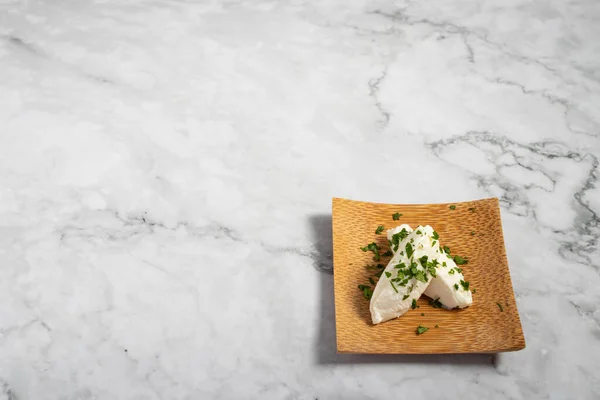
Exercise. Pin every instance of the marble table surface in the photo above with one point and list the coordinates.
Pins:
(167, 169)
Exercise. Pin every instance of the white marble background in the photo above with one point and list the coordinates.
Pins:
(167, 168)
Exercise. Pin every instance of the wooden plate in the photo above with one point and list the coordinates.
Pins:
(472, 229)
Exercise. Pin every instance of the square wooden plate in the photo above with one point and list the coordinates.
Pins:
(472, 229)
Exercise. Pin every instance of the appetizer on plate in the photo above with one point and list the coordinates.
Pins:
(419, 266)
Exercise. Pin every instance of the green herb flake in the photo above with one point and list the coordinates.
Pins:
(387, 254)
(418, 232)
(464, 284)
(420, 276)
(435, 303)
(372, 281)
(451, 272)
(421, 330)
(398, 237)
(500, 307)
(409, 250)
(431, 269)
(374, 248)
(435, 235)
(459, 270)
(394, 286)
(388, 274)
(456, 286)
(396, 216)
(414, 304)
(444, 264)
(366, 290)
(379, 229)
(433, 243)
(472, 233)
(446, 249)
(460, 260)
(452, 207)
(406, 296)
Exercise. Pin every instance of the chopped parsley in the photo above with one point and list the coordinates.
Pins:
(420, 276)
(446, 250)
(379, 274)
(456, 286)
(421, 330)
(418, 232)
(452, 207)
(394, 286)
(435, 235)
(371, 281)
(374, 248)
(379, 229)
(435, 303)
(397, 237)
(367, 291)
(414, 305)
(451, 272)
(444, 264)
(409, 250)
(460, 261)
(388, 274)
(474, 290)
(459, 270)
(500, 307)
(405, 297)
(396, 216)
(387, 254)
(464, 284)
(431, 269)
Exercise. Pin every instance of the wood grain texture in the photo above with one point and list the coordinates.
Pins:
(481, 328)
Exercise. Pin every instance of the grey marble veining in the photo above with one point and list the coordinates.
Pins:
(167, 169)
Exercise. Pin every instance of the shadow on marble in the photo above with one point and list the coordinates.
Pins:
(325, 345)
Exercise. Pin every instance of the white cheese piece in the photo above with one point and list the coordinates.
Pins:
(443, 285)
(394, 295)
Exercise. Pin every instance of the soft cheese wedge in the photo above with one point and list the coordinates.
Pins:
(446, 286)
(408, 274)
